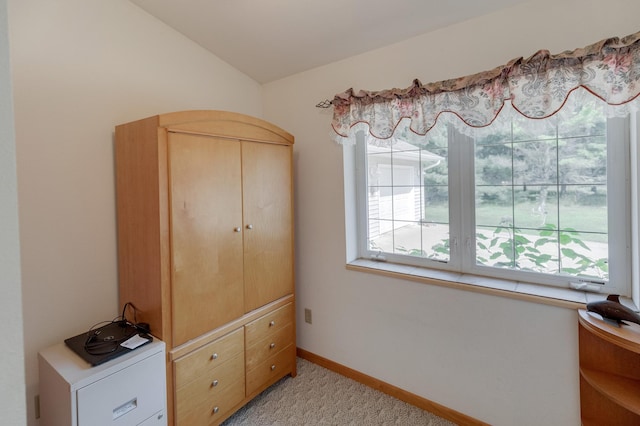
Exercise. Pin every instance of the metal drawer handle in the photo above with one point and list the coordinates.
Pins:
(214, 356)
(273, 367)
(215, 383)
(215, 410)
(237, 229)
(249, 226)
(272, 323)
(271, 346)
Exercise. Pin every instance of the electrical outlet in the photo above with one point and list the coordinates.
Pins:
(37, 405)
(307, 315)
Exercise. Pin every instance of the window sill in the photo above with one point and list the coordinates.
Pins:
(559, 297)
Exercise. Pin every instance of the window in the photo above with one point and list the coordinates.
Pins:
(543, 201)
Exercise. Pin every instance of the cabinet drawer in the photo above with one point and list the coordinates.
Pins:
(269, 324)
(270, 370)
(192, 412)
(213, 382)
(270, 345)
(128, 396)
(217, 387)
(193, 365)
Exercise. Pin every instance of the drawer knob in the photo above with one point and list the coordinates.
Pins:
(214, 356)
(273, 367)
(215, 410)
(271, 346)
(214, 383)
(249, 226)
(272, 323)
(237, 229)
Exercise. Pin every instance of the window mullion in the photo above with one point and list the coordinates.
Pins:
(362, 195)
(634, 201)
(462, 218)
(619, 208)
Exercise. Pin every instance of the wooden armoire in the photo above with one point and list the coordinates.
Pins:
(205, 253)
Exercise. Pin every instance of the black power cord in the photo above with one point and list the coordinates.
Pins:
(142, 327)
(97, 344)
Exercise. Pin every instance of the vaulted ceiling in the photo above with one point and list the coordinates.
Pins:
(273, 39)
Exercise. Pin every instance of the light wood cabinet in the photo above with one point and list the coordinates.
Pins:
(609, 372)
(210, 381)
(205, 248)
(205, 192)
(270, 348)
(268, 252)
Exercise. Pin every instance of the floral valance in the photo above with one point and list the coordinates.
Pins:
(536, 87)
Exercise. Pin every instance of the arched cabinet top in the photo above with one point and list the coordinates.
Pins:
(223, 124)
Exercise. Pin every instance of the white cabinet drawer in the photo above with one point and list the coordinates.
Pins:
(157, 419)
(127, 397)
(129, 390)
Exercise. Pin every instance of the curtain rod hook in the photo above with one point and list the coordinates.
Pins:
(324, 104)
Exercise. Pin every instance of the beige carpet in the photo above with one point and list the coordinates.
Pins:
(318, 396)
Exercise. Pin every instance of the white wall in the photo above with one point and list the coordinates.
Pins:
(502, 361)
(12, 400)
(80, 67)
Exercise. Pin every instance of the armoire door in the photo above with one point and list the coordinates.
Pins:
(206, 233)
(268, 233)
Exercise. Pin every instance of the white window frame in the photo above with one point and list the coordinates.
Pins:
(622, 279)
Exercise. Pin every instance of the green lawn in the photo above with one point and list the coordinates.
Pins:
(589, 220)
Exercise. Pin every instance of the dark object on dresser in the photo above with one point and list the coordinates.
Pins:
(613, 311)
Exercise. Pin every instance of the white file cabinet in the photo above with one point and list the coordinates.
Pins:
(129, 390)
